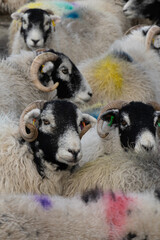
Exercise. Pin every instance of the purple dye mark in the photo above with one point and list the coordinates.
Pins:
(75, 4)
(44, 201)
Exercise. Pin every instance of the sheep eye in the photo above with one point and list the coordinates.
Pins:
(46, 122)
(124, 123)
(65, 71)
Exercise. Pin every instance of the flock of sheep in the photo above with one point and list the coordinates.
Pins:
(80, 121)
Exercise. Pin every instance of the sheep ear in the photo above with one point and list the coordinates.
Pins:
(87, 122)
(88, 119)
(32, 116)
(110, 117)
(16, 15)
(107, 121)
(55, 18)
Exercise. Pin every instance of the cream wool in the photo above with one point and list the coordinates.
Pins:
(18, 172)
(117, 171)
(96, 216)
(81, 34)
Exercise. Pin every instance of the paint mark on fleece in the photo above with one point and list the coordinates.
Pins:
(117, 206)
(108, 75)
(44, 201)
(73, 15)
(56, 6)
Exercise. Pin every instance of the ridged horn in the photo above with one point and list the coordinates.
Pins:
(109, 106)
(155, 105)
(37, 63)
(84, 130)
(29, 137)
(134, 28)
(154, 30)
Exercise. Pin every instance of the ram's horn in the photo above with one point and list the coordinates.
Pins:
(29, 137)
(154, 30)
(155, 105)
(111, 105)
(134, 28)
(84, 130)
(37, 63)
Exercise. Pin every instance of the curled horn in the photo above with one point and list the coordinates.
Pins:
(111, 105)
(134, 28)
(29, 137)
(84, 130)
(37, 63)
(155, 105)
(154, 30)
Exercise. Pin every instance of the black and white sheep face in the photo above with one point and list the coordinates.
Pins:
(72, 84)
(137, 124)
(58, 142)
(36, 27)
(142, 9)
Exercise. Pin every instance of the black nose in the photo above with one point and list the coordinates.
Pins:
(74, 153)
(90, 94)
(35, 41)
(147, 148)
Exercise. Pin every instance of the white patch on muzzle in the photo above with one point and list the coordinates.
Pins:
(35, 39)
(129, 11)
(145, 142)
(69, 148)
(85, 92)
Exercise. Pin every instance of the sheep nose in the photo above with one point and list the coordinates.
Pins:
(35, 41)
(147, 148)
(74, 153)
(90, 94)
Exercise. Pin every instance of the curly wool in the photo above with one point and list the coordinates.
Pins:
(17, 169)
(95, 216)
(118, 171)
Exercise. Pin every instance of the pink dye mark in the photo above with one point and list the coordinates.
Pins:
(116, 212)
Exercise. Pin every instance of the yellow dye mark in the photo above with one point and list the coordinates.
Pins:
(35, 5)
(42, 69)
(53, 23)
(108, 74)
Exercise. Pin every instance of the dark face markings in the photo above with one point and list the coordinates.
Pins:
(35, 18)
(141, 116)
(45, 146)
(66, 89)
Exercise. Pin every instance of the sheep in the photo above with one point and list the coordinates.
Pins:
(129, 62)
(112, 6)
(80, 34)
(20, 85)
(139, 132)
(143, 9)
(93, 216)
(46, 152)
(125, 155)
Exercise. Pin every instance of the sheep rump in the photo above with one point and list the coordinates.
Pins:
(95, 216)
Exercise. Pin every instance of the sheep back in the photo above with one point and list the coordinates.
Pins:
(117, 172)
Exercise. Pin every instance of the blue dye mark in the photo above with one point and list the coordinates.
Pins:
(66, 6)
(73, 15)
(94, 112)
(44, 201)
